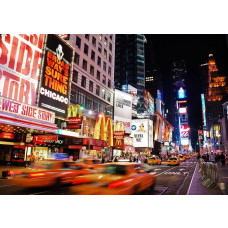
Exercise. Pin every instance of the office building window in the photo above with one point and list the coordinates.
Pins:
(76, 58)
(110, 58)
(104, 66)
(104, 80)
(86, 49)
(87, 36)
(111, 36)
(91, 70)
(83, 84)
(97, 90)
(75, 76)
(98, 75)
(99, 47)
(110, 46)
(103, 93)
(105, 53)
(100, 36)
(99, 61)
(84, 65)
(105, 41)
(94, 41)
(78, 42)
(109, 71)
(93, 55)
(109, 97)
(90, 86)
(109, 83)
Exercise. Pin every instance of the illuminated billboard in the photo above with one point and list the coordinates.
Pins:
(181, 93)
(20, 58)
(133, 91)
(123, 109)
(148, 102)
(142, 133)
(182, 110)
(184, 131)
(204, 111)
(56, 76)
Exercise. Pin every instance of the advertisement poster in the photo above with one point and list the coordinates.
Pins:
(56, 76)
(133, 91)
(20, 63)
(148, 102)
(123, 109)
(142, 133)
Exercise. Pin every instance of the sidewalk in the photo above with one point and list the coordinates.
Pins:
(223, 178)
(196, 187)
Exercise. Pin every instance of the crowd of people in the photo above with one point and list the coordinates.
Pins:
(214, 157)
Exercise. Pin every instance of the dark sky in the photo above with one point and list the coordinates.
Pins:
(194, 49)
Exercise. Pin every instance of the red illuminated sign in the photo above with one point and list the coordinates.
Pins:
(13, 107)
(20, 57)
(118, 134)
(41, 139)
(73, 126)
(184, 129)
(75, 120)
(6, 135)
(75, 146)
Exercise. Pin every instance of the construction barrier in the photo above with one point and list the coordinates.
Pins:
(209, 173)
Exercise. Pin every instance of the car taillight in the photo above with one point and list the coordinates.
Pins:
(36, 175)
(116, 184)
(80, 181)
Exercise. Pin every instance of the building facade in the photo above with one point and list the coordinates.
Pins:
(130, 64)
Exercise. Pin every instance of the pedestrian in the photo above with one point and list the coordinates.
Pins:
(198, 157)
(223, 159)
(212, 157)
(145, 160)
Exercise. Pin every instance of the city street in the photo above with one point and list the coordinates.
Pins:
(171, 180)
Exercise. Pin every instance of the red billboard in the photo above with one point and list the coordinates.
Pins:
(184, 130)
(20, 62)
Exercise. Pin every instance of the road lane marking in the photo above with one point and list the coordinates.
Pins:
(165, 171)
(6, 185)
(191, 180)
(181, 169)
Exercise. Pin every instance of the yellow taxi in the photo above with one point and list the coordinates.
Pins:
(187, 156)
(182, 158)
(89, 163)
(173, 161)
(49, 173)
(154, 160)
(117, 178)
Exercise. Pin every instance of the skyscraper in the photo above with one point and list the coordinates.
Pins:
(130, 64)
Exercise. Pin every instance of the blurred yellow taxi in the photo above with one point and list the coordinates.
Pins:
(119, 178)
(187, 156)
(154, 160)
(89, 163)
(182, 158)
(49, 173)
(173, 161)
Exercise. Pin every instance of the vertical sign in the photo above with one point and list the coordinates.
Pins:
(56, 76)
(204, 111)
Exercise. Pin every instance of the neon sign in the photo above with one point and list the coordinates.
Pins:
(181, 93)
(103, 128)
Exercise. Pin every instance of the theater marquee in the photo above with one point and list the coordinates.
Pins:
(54, 90)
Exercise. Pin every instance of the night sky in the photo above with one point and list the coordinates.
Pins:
(194, 49)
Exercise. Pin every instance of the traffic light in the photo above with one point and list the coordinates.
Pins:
(197, 144)
(82, 107)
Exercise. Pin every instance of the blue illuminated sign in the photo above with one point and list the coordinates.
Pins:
(133, 127)
(204, 111)
(181, 93)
